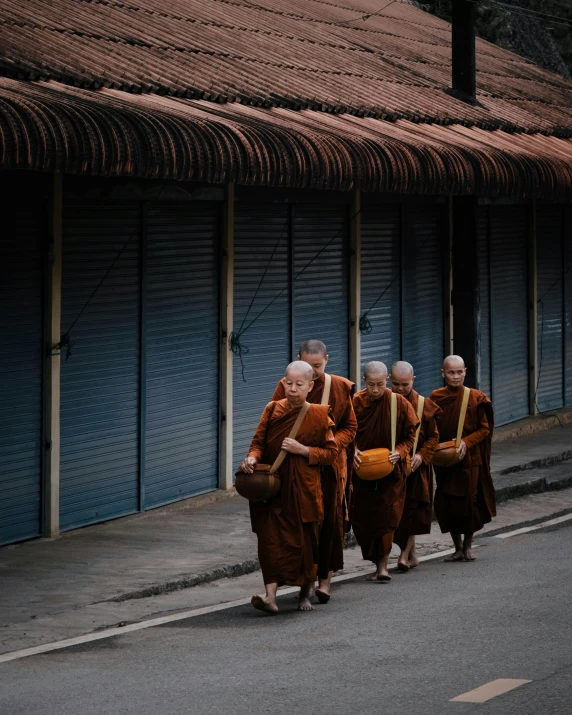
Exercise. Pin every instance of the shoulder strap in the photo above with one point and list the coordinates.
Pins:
(393, 420)
(327, 389)
(293, 432)
(466, 395)
(420, 405)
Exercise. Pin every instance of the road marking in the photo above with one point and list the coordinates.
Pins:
(173, 618)
(535, 527)
(489, 690)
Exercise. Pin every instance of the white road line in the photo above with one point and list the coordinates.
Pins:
(173, 618)
(535, 527)
(489, 690)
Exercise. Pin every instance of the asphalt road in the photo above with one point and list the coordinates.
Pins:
(405, 648)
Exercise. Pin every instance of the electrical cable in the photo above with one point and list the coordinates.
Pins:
(364, 17)
(517, 9)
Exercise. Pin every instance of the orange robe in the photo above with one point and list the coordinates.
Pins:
(287, 525)
(377, 506)
(465, 496)
(335, 476)
(418, 509)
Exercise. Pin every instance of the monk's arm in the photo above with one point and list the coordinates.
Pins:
(346, 430)
(327, 453)
(480, 434)
(259, 440)
(430, 442)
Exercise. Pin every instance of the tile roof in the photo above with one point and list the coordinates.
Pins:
(102, 82)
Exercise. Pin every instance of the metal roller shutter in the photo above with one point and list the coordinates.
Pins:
(100, 381)
(550, 395)
(483, 256)
(380, 267)
(321, 293)
(568, 302)
(509, 314)
(20, 374)
(423, 334)
(260, 230)
(181, 324)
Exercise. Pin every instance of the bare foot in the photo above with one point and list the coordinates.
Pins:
(323, 592)
(413, 562)
(469, 556)
(403, 566)
(382, 577)
(304, 604)
(265, 604)
(457, 556)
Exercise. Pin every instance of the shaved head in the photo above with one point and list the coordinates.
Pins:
(375, 368)
(299, 367)
(402, 369)
(312, 347)
(455, 360)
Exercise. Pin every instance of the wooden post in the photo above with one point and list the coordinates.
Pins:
(53, 363)
(225, 480)
(355, 289)
(448, 282)
(532, 311)
(464, 76)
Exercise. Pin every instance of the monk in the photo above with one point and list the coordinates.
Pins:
(287, 525)
(465, 496)
(418, 509)
(335, 476)
(378, 505)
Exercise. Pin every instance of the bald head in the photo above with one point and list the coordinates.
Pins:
(299, 368)
(298, 382)
(402, 370)
(454, 371)
(312, 347)
(374, 369)
(455, 360)
(375, 378)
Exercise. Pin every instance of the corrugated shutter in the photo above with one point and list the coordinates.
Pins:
(550, 395)
(100, 381)
(260, 230)
(423, 334)
(568, 302)
(20, 373)
(485, 302)
(380, 268)
(321, 293)
(181, 324)
(509, 312)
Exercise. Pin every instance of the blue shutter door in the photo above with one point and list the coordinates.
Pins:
(259, 231)
(423, 333)
(100, 381)
(485, 302)
(321, 293)
(568, 302)
(550, 395)
(509, 290)
(20, 373)
(380, 268)
(181, 324)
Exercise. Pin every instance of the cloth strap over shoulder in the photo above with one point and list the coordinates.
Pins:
(420, 406)
(393, 420)
(293, 432)
(462, 415)
(327, 389)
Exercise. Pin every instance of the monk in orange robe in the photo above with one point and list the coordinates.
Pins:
(377, 506)
(287, 525)
(418, 509)
(335, 476)
(465, 496)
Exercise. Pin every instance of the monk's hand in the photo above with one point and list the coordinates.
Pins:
(394, 457)
(294, 447)
(462, 451)
(248, 465)
(357, 458)
(416, 462)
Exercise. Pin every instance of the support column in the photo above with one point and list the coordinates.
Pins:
(448, 281)
(466, 293)
(53, 363)
(355, 289)
(225, 479)
(532, 310)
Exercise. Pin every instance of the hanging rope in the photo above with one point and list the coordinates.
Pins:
(66, 343)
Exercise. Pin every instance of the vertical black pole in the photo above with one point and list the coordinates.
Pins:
(463, 50)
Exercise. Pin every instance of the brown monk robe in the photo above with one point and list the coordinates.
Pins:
(378, 505)
(465, 496)
(334, 477)
(287, 525)
(418, 509)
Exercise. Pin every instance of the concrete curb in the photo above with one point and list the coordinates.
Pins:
(532, 486)
(536, 463)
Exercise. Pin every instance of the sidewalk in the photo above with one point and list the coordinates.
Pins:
(179, 546)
